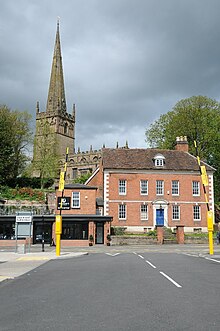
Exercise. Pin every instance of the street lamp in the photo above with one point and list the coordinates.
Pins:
(43, 233)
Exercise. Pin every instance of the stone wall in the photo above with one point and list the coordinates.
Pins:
(132, 240)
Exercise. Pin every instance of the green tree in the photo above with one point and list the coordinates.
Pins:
(15, 136)
(198, 118)
(82, 179)
(45, 164)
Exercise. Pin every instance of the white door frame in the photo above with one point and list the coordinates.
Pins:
(160, 204)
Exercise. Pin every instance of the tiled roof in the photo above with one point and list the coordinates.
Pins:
(143, 159)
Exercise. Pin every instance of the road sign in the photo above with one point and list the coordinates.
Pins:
(65, 203)
(23, 219)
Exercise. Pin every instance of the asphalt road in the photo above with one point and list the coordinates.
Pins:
(115, 291)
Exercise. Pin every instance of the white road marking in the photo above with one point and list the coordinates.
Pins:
(208, 258)
(170, 279)
(153, 266)
(135, 253)
(112, 254)
(141, 256)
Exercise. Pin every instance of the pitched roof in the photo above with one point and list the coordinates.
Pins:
(143, 159)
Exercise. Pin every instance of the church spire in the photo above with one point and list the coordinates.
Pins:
(56, 95)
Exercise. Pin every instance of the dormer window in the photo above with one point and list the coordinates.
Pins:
(159, 160)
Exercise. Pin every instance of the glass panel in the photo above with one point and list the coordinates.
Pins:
(75, 231)
(99, 233)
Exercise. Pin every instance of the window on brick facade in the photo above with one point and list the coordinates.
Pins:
(175, 187)
(144, 214)
(196, 213)
(176, 213)
(74, 231)
(75, 200)
(122, 212)
(195, 188)
(144, 186)
(159, 187)
(122, 186)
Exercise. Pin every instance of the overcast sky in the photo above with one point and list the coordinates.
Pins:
(125, 62)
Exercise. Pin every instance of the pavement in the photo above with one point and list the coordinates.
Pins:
(14, 264)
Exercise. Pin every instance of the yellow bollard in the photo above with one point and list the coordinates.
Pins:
(210, 231)
(211, 249)
(57, 244)
(58, 233)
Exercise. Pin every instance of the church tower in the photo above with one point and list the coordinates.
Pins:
(60, 124)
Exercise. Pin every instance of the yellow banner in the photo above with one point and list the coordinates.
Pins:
(62, 181)
(204, 176)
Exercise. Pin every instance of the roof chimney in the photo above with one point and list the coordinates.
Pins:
(182, 144)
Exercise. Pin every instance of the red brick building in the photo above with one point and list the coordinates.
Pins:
(142, 188)
(82, 216)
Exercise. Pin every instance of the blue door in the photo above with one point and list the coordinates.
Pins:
(160, 217)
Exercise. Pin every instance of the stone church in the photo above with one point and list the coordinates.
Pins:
(61, 124)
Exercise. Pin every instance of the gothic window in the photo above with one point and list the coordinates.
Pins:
(74, 172)
(65, 128)
(71, 162)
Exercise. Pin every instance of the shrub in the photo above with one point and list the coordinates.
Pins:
(152, 233)
(118, 231)
(33, 182)
(23, 193)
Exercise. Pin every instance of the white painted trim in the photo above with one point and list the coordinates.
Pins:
(152, 202)
(138, 229)
(158, 171)
(106, 193)
(211, 196)
(92, 175)
(164, 206)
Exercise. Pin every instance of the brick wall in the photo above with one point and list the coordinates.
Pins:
(97, 180)
(87, 202)
(133, 199)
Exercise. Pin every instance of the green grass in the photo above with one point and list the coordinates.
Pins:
(196, 235)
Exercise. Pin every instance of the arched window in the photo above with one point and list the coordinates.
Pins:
(159, 160)
(65, 128)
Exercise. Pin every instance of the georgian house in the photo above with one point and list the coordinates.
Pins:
(142, 188)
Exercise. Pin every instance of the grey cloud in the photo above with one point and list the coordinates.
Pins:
(125, 61)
